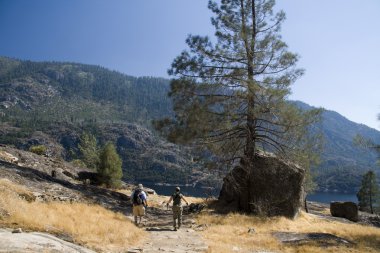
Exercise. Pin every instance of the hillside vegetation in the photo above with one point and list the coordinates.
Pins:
(49, 91)
(51, 102)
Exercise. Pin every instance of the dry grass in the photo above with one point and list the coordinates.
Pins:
(226, 232)
(89, 225)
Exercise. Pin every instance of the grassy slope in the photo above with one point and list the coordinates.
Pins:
(87, 224)
(226, 232)
(103, 230)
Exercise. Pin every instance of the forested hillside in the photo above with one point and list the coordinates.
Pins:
(342, 162)
(49, 91)
(39, 96)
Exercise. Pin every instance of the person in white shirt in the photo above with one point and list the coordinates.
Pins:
(139, 202)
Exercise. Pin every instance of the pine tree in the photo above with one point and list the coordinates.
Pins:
(230, 96)
(110, 171)
(368, 194)
(89, 152)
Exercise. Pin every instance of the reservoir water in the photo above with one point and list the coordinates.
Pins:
(327, 197)
(323, 197)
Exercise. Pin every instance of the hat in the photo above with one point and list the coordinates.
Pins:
(177, 189)
(140, 186)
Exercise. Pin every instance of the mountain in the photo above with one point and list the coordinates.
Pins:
(53, 103)
(50, 91)
(342, 162)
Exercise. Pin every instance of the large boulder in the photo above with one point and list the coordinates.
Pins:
(270, 187)
(348, 210)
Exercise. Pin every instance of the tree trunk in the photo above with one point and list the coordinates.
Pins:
(370, 198)
(306, 208)
(249, 49)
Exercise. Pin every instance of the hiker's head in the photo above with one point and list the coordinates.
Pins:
(177, 189)
(140, 186)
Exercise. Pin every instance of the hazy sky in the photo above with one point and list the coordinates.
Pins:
(338, 41)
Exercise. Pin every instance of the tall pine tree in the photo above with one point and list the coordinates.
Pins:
(110, 171)
(89, 152)
(368, 194)
(230, 96)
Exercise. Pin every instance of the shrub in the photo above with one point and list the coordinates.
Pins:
(110, 172)
(38, 149)
(78, 163)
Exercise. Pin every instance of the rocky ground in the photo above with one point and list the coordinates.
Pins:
(322, 210)
(17, 241)
(36, 173)
(162, 237)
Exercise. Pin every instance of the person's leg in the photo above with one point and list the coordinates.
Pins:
(175, 216)
(179, 216)
(141, 212)
(135, 213)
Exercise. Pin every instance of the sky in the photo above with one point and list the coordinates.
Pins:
(337, 40)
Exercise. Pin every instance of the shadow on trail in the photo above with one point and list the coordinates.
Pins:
(162, 219)
(158, 229)
(157, 217)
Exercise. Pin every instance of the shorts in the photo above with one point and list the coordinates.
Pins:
(138, 210)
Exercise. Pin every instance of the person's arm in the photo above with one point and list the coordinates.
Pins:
(145, 202)
(187, 203)
(170, 200)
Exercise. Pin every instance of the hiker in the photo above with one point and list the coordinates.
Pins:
(177, 198)
(139, 202)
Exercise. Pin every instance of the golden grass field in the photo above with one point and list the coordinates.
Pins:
(228, 231)
(90, 225)
(103, 230)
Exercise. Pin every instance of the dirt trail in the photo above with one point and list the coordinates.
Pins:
(159, 224)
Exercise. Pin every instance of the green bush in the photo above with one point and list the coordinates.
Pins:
(110, 172)
(38, 149)
(78, 163)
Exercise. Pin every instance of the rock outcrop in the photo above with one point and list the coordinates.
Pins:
(348, 210)
(36, 242)
(321, 239)
(271, 187)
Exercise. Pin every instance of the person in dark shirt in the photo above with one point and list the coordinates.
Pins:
(177, 198)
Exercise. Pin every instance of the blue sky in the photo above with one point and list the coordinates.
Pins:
(338, 41)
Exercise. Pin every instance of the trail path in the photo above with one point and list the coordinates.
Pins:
(162, 237)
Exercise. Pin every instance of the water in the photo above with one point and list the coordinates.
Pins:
(322, 197)
(327, 197)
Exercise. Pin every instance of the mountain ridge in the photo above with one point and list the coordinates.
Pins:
(36, 93)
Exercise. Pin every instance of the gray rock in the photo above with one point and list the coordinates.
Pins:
(36, 242)
(17, 230)
(251, 231)
(135, 250)
(348, 210)
(272, 187)
(322, 239)
(194, 208)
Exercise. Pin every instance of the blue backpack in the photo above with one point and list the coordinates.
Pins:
(138, 197)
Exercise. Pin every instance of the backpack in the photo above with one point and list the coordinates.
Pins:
(137, 197)
(177, 199)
